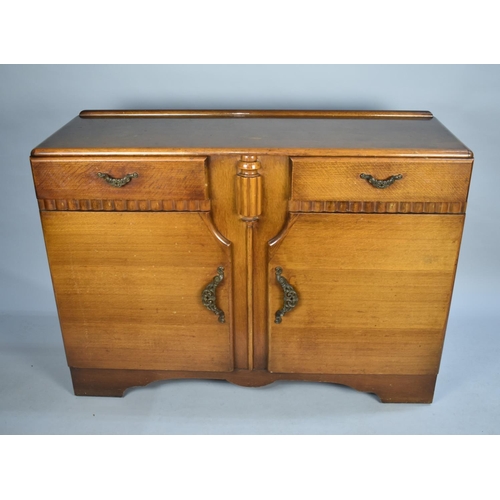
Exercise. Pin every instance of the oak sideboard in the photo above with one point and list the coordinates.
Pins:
(253, 246)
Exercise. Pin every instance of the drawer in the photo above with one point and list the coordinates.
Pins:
(142, 183)
(416, 180)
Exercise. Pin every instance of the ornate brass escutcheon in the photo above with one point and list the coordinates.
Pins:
(117, 182)
(381, 184)
(208, 295)
(290, 297)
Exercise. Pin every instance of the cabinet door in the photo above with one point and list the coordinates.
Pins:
(373, 293)
(129, 290)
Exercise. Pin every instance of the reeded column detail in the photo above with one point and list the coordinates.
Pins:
(249, 188)
(249, 207)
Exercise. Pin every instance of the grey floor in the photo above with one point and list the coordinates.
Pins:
(36, 394)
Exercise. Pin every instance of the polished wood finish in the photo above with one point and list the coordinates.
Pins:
(249, 207)
(251, 191)
(126, 205)
(338, 179)
(374, 293)
(128, 290)
(388, 388)
(301, 135)
(177, 179)
(379, 207)
(249, 246)
(249, 188)
(251, 113)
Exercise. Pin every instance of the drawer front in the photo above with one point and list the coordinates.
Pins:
(135, 183)
(321, 179)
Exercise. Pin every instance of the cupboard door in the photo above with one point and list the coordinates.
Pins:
(373, 293)
(129, 290)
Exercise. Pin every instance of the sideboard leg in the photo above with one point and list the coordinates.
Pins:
(96, 382)
(403, 388)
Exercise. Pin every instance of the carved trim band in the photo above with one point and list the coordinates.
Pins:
(127, 205)
(379, 207)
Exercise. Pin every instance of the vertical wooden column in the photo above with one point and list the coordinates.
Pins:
(249, 207)
(249, 195)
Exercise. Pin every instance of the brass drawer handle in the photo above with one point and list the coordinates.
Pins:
(208, 295)
(381, 184)
(117, 182)
(290, 297)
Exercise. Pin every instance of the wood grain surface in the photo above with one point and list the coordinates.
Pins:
(388, 388)
(252, 113)
(183, 178)
(378, 207)
(338, 179)
(128, 290)
(399, 136)
(374, 293)
(252, 190)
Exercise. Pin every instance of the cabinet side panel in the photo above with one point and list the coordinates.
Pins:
(128, 289)
(374, 293)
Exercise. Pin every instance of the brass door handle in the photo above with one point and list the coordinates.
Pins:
(290, 297)
(117, 182)
(381, 184)
(208, 295)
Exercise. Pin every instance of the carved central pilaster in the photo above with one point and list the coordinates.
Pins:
(249, 188)
(249, 207)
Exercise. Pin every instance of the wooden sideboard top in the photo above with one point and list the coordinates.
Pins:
(327, 133)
